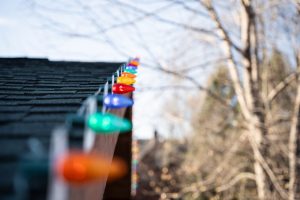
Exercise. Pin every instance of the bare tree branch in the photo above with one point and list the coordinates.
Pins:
(223, 32)
(231, 64)
(171, 22)
(208, 63)
(280, 87)
(166, 87)
(235, 180)
(192, 80)
(267, 168)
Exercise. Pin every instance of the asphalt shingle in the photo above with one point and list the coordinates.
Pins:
(36, 95)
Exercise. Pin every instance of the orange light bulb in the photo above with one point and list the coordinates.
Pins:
(129, 75)
(134, 63)
(79, 168)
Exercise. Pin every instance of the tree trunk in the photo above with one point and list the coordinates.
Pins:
(258, 150)
(254, 101)
(248, 94)
(294, 145)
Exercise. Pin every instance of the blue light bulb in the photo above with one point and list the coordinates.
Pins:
(131, 67)
(117, 101)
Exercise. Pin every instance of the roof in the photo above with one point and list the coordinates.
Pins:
(35, 97)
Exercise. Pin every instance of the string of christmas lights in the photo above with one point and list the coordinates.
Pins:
(79, 167)
(134, 178)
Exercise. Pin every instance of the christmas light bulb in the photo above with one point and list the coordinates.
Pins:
(125, 80)
(134, 62)
(131, 67)
(33, 166)
(125, 74)
(108, 123)
(80, 167)
(131, 71)
(134, 186)
(134, 177)
(122, 88)
(117, 101)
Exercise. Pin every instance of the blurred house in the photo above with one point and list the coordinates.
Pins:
(157, 168)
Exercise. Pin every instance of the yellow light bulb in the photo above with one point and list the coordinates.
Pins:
(125, 80)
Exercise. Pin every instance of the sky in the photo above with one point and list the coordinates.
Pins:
(24, 32)
(97, 30)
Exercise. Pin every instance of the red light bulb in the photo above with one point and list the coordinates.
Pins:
(120, 88)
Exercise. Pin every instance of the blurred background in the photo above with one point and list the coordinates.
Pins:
(217, 100)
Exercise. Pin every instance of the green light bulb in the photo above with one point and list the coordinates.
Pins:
(108, 123)
(131, 71)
